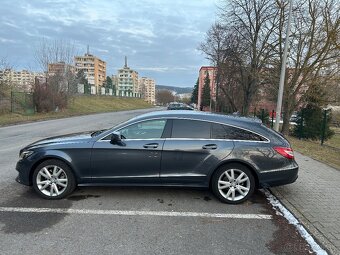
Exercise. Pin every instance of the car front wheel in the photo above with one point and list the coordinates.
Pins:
(233, 183)
(53, 179)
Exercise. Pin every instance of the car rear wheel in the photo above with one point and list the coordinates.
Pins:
(233, 183)
(53, 179)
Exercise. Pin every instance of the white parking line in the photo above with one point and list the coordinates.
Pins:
(136, 213)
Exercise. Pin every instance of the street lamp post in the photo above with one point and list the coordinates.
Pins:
(283, 72)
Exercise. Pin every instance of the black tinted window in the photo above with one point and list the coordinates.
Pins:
(228, 132)
(190, 129)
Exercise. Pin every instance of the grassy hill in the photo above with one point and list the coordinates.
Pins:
(80, 105)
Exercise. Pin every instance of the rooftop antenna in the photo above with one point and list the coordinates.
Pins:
(88, 49)
(125, 61)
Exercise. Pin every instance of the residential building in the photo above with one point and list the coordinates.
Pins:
(148, 89)
(127, 82)
(22, 80)
(204, 70)
(60, 68)
(93, 67)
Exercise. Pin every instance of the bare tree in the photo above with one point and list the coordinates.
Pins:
(253, 32)
(214, 47)
(60, 84)
(253, 23)
(5, 78)
(54, 51)
(314, 52)
(164, 97)
(245, 39)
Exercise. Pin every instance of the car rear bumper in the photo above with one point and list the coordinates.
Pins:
(278, 177)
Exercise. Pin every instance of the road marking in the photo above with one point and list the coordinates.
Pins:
(136, 213)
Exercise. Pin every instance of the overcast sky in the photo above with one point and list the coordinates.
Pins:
(160, 38)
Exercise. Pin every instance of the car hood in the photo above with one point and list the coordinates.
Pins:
(83, 137)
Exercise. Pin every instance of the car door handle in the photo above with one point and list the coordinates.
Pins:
(210, 147)
(150, 146)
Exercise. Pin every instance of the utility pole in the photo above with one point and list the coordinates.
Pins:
(283, 72)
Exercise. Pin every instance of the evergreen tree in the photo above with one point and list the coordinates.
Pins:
(311, 118)
(194, 95)
(108, 82)
(81, 79)
(206, 91)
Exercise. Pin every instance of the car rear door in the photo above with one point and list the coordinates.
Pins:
(191, 154)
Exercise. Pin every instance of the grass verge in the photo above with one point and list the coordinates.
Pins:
(80, 105)
(314, 150)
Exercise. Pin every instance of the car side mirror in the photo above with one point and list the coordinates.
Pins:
(116, 139)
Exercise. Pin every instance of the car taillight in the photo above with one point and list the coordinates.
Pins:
(285, 151)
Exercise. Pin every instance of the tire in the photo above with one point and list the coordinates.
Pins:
(53, 179)
(224, 185)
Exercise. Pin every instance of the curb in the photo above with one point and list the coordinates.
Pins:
(321, 239)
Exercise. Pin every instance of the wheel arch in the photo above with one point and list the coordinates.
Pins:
(241, 162)
(34, 166)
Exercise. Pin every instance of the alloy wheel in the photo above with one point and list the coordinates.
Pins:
(234, 184)
(52, 180)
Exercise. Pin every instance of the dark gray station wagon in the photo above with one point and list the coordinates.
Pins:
(231, 155)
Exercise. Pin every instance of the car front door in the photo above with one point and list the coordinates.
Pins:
(192, 153)
(135, 160)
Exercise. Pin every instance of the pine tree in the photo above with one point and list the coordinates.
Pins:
(194, 95)
(108, 82)
(206, 91)
(81, 79)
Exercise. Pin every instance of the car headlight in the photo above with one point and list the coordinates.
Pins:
(25, 154)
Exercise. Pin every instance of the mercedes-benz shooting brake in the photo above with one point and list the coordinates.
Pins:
(231, 155)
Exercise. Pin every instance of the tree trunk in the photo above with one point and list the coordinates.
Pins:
(288, 108)
(286, 117)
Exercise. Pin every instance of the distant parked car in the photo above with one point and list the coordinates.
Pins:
(179, 106)
(231, 155)
(294, 119)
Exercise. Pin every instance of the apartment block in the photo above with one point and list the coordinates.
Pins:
(127, 82)
(22, 80)
(148, 89)
(60, 68)
(93, 67)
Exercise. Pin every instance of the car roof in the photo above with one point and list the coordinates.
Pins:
(198, 115)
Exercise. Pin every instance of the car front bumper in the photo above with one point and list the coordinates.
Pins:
(23, 167)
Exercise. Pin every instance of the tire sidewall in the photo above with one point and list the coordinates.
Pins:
(70, 178)
(221, 170)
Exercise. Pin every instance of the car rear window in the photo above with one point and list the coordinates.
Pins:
(190, 129)
(220, 131)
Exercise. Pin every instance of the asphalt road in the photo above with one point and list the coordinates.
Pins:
(128, 220)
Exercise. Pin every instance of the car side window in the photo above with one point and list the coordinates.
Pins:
(144, 130)
(220, 131)
(190, 129)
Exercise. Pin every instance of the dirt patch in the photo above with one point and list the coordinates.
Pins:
(80, 197)
(160, 200)
(286, 239)
(206, 198)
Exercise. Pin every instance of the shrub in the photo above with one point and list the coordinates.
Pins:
(46, 99)
(310, 123)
